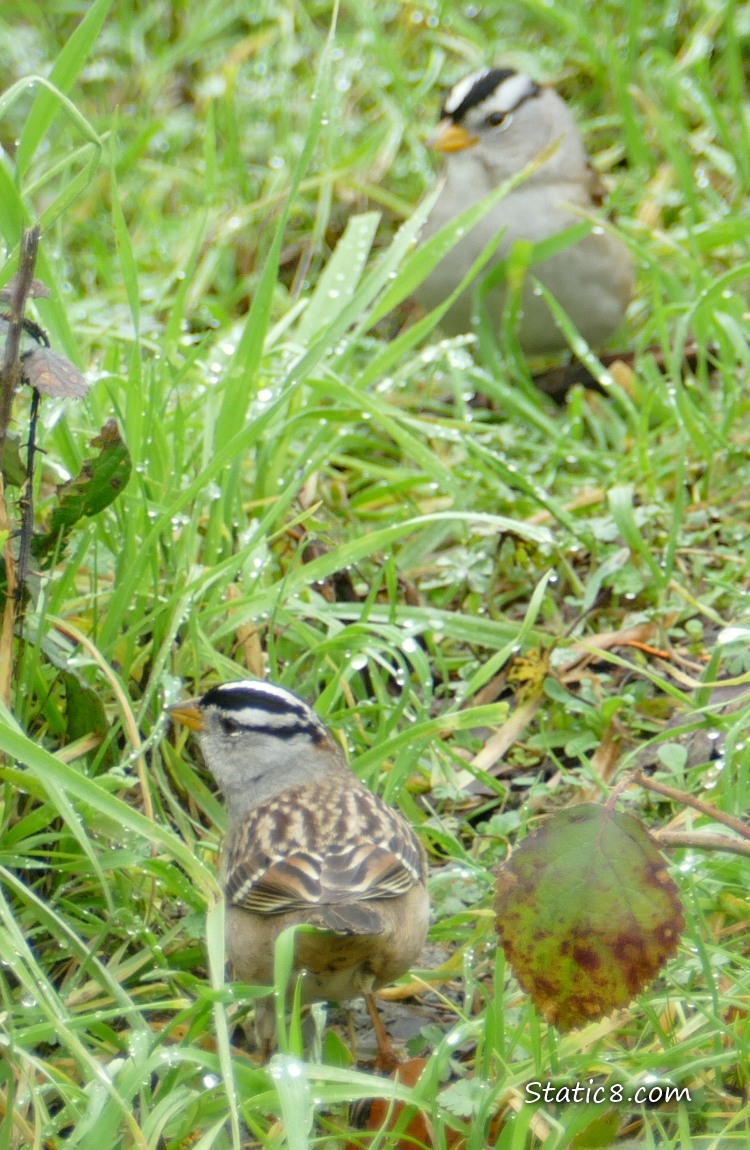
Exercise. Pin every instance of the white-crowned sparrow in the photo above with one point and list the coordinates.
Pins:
(307, 842)
(493, 123)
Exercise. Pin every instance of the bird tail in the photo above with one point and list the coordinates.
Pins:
(352, 919)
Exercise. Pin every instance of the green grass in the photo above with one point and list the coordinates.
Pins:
(207, 177)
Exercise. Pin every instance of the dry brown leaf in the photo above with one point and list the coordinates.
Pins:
(384, 1113)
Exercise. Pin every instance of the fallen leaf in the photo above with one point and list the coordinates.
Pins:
(587, 913)
(52, 374)
(37, 290)
(384, 1114)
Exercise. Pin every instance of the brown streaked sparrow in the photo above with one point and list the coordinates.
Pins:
(493, 123)
(307, 842)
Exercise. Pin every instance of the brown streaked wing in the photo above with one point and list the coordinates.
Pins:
(324, 848)
(290, 884)
(364, 870)
(358, 872)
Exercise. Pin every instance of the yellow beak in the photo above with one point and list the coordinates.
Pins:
(188, 713)
(451, 137)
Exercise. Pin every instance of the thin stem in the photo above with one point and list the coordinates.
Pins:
(702, 841)
(712, 812)
(11, 370)
(27, 504)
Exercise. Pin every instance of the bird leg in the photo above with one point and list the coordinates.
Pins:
(386, 1059)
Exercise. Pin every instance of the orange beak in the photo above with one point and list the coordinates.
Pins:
(188, 713)
(451, 137)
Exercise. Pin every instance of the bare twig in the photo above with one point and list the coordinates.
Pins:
(707, 809)
(10, 374)
(9, 610)
(27, 505)
(698, 840)
(11, 369)
(702, 841)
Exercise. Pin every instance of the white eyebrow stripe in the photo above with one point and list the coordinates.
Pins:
(460, 91)
(511, 92)
(251, 717)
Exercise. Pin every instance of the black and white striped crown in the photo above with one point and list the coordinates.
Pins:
(260, 707)
(495, 90)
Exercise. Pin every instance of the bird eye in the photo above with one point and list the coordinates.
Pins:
(496, 118)
(229, 726)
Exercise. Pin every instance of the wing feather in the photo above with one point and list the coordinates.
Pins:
(348, 849)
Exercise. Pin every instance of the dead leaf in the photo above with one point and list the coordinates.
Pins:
(37, 290)
(53, 374)
(384, 1113)
(587, 913)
